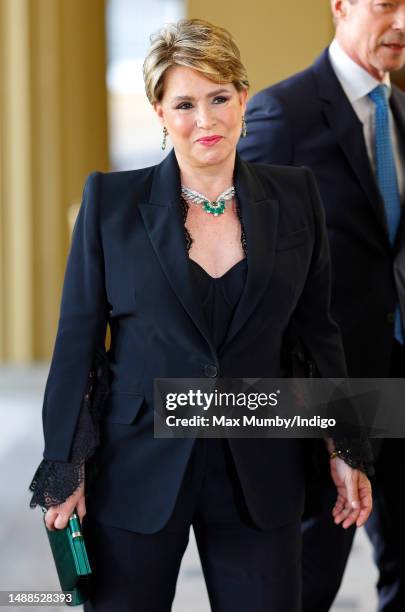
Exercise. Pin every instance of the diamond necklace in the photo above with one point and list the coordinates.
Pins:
(216, 207)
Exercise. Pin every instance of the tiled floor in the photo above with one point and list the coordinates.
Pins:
(25, 561)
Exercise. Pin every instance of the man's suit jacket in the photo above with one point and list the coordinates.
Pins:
(308, 120)
(128, 266)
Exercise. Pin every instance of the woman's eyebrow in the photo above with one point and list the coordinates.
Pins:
(216, 92)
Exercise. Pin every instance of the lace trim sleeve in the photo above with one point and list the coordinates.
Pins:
(350, 440)
(356, 452)
(55, 481)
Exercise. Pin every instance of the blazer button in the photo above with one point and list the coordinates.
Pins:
(211, 371)
(390, 317)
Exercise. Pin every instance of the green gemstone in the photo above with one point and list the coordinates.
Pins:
(215, 208)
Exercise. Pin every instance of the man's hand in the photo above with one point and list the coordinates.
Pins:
(354, 501)
(57, 517)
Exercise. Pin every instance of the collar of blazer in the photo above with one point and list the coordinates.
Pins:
(348, 131)
(162, 216)
(398, 110)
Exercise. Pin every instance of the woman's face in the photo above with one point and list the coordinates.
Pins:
(204, 119)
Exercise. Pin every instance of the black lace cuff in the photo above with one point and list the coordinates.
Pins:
(356, 452)
(353, 447)
(55, 481)
(350, 439)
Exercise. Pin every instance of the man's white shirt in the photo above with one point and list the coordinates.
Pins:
(357, 83)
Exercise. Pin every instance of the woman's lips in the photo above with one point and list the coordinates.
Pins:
(395, 46)
(209, 141)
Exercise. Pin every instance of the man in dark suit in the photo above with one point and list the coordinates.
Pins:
(342, 118)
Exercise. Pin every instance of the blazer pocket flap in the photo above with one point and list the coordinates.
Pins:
(290, 241)
(122, 407)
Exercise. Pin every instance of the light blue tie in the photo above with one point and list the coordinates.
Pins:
(387, 176)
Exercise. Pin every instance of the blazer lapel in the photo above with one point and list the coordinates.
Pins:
(348, 130)
(259, 217)
(163, 219)
(398, 110)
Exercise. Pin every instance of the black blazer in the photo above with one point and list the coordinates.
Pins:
(308, 120)
(128, 266)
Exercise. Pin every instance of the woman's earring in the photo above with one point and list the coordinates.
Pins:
(165, 134)
(244, 129)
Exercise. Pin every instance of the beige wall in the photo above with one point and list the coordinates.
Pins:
(53, 128)
(276, 38)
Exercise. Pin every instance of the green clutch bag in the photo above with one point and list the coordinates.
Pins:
(71, 561)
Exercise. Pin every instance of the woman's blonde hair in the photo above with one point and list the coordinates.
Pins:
(196, 44)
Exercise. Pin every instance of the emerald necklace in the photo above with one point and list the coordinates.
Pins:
(217, 207)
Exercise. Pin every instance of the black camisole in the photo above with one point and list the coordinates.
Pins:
(219, 296)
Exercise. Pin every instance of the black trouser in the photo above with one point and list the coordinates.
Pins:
(326, 546)
(246, 569)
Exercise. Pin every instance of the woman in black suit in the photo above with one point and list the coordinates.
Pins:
(200, 266)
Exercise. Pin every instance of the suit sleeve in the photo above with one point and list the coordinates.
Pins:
(322, 338)
(312, 318)
(81, 327)
(269, 138)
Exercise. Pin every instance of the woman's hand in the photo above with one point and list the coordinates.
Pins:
(57, 517)
(354, 501)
